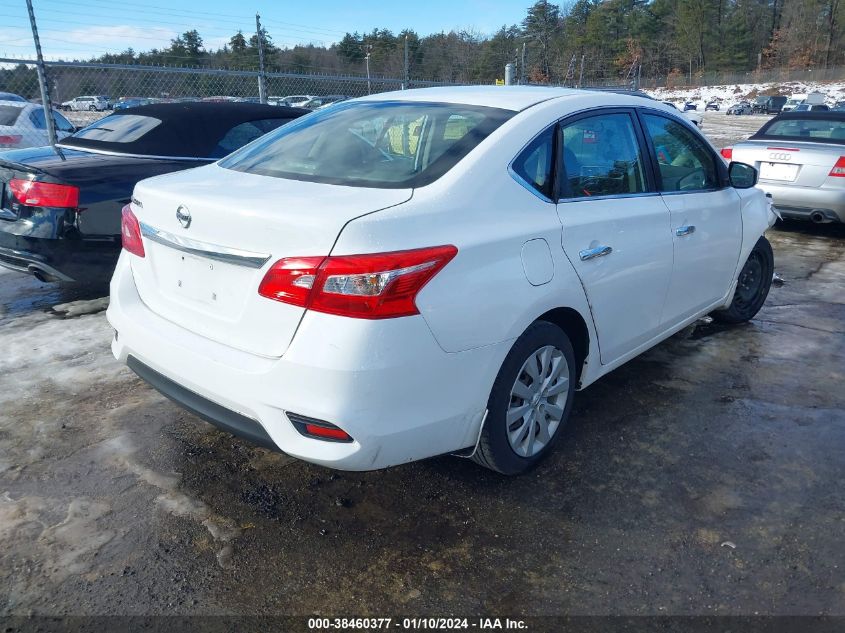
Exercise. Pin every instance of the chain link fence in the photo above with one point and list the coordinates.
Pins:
(119, 82)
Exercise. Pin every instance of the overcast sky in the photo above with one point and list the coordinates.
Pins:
(77, 29)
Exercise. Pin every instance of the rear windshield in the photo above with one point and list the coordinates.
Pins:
(9, 114)
(119, 128)
(817, 130)
(384, 144)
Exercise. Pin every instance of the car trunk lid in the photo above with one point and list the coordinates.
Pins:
(210, 234)
(788, 162)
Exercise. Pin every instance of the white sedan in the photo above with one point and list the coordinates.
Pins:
(432, 271)
(22, 125)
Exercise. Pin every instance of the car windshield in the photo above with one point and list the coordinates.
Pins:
(9, 114)
(119, 128)
(820, 130)
(384, 144)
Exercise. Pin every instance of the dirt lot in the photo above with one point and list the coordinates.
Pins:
(704, 477)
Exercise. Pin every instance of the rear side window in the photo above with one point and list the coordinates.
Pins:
(684, 161)
(534, 164)
(601, 157)
(9, 114)
(119, 128)
(37, 118)
(385, 144)
(244, 133)
(816, 130)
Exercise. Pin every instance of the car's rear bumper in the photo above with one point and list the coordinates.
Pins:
(801, 202)
(386, 383)
(64, 260)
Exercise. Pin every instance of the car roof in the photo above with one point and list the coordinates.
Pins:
(190, 129)
(17, 104)
(514, 98)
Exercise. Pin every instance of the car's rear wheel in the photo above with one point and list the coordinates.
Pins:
(755, 280)
(92, 108)
(530, 401)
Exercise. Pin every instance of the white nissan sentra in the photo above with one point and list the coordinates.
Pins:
(432, 271)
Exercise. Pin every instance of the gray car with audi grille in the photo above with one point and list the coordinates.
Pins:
(800, 157)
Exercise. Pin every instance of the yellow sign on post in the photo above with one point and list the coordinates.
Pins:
(500, 82)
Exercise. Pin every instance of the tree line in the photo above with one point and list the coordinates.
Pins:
(558, 43)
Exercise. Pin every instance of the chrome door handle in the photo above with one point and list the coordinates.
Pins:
(592, 253)
(684, 230)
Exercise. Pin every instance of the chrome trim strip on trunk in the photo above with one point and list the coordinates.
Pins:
(226, 254)
(105, 152)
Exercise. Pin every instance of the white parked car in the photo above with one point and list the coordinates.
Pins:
(694, 116)
(22, 124)
(432, 271)
(297, 101)
(92, 103)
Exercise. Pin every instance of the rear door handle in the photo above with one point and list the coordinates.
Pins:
(684, 230)
(592, 253)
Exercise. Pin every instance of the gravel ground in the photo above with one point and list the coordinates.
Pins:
(704, 477)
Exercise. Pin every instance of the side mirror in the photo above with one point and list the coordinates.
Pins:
(742, 176)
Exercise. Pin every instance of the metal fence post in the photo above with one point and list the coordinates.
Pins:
(42, 79)
(406, 85)
(262, 80)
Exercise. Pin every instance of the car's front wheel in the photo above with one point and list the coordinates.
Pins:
(753, 284)
(530, 401)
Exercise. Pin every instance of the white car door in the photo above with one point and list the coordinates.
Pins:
(615, 228)
(706, 222)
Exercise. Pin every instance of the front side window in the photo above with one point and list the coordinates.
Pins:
(385, 144)
(534, 164)
(119, 128)
(601, 157)
(684, 161)
(62, 124)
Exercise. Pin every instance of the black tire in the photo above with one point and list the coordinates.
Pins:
(92, 108)
(494, 448)
(755, 280)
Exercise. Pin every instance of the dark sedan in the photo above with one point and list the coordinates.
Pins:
(60, 207)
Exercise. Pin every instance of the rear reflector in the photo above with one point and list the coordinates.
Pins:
(44, 194)
(10, 140)
(130, 232)
(377, 286)
(727, 153)
(318, 429)
(324, 431)
(838, 170)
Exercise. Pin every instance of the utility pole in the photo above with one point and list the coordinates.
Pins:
(42, 79)
(522, 66)
(262, 85)
(367, 59)
(581, 73)
(407, 83)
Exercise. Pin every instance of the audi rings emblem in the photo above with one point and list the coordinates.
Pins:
(780, 156)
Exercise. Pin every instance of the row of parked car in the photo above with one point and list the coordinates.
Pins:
(99, 103)
(407, 274)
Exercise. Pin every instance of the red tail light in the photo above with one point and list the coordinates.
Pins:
(10, 140)
(130, 232)
(727, 153)
(378, 286)
(44, 194)
(838, 170)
